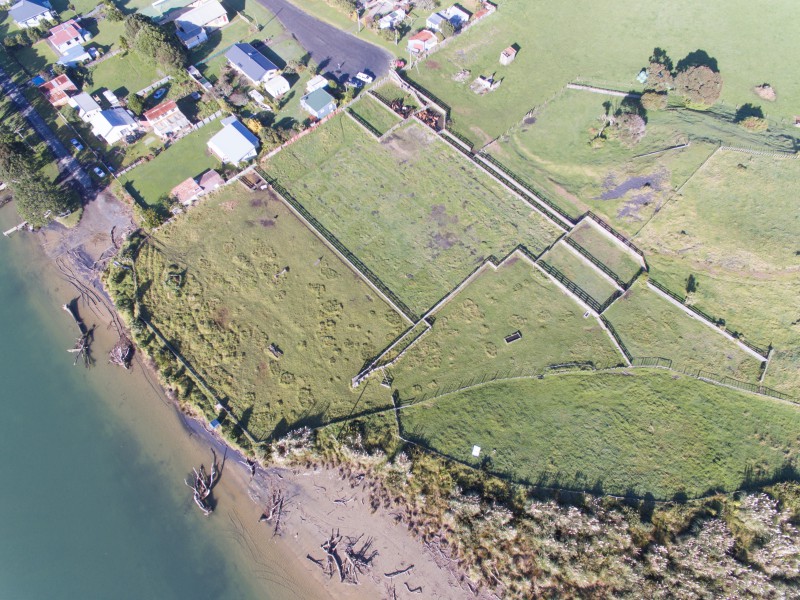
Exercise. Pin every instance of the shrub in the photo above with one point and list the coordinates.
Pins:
(700, 85)
(654, 100)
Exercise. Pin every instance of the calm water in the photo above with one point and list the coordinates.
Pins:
(92, 503)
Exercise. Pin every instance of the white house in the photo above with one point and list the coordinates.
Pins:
(68, 35)
(422, 42)
(435, 21)
(113, 125)
(277, 86)
(192, 27)
(251, 63)
(392, 20)
(30, 13)
(315, 83)
(85, 105)
(235, 143)
(456, 15)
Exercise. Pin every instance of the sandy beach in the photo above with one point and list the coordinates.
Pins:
(318, 502)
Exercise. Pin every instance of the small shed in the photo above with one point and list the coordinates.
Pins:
(508, 55)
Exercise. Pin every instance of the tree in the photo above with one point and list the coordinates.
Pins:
(135, 103)
(447, 29)
(691, 284)
(700, 85)
(112, 12)
(654, 100)
(153, 43)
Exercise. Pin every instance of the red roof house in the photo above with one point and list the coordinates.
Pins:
(67, 35)
(422, 41)
(58, 90)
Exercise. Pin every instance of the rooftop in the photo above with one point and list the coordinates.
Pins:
(65, 32)
(157, 112)
(234, 141)
(185, 190)
(203, 14)
(58, 89)
(318, 99)
(84, 102)
(28, 9)
(250, 61)
(422, 36)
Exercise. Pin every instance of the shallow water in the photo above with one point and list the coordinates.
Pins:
(93, 503)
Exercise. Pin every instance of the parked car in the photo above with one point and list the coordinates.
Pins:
(99, 172)
(196, 95)
(353, 82)
(77, 144)
(365, 78)
(159, 92)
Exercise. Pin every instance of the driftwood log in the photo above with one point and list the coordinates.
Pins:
(122, 353)
(345, 558)
(203, 483)
(82, 348)
(274, 512)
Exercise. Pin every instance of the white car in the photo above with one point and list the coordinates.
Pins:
(77, 144)
(365, 78)
(99, 172)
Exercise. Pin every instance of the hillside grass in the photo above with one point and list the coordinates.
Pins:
(238, 273)
(636, 432)
(582, 273)
(549, 56)
(124, 74)
(650, 325)
(612, 253)
(467, 339)
(410, 207)
(375, 113)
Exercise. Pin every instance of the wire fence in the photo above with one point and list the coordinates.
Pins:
(571, 286)
(622, 238)
(361, 121)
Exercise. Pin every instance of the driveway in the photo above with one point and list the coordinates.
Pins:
(333, 49)
(65, 161)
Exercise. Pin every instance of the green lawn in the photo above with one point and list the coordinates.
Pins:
(554, 38)
(375, 113)
(37, 57)
(186, 158)
(582, 273)
(125, 74)
(417, 213)
(253, 276)
(613, 254)
(391, 91)
(639, 432)
(468, 336)
(650, 325)
(220, 39)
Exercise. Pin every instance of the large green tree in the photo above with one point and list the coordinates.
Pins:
(37, 198)
(154, 43)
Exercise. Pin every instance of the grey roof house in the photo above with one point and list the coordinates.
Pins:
(30, 13)
(235, 143)
(85, 105)
(251, 63)
(319, 103)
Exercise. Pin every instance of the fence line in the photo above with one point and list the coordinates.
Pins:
(622, 238)
(351, 259)
(363, 123)
(590, 257)
(571, 286)
(716, 324)
(154, 85)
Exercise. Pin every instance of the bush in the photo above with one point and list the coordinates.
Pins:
(754, 123)
(654, 100)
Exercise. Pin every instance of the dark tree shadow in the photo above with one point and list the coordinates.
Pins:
(748, 110)
(698, 58)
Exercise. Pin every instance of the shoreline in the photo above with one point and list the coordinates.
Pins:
(319, 499)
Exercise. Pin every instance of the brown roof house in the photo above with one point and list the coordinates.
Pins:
(508, 55)
(166, 119)
(190, 190)
(58, 90)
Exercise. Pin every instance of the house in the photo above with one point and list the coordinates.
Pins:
(421, 42)
(85, 105)
(277, 86)
(190, 190)
(113, 124)
(435, 21)
(392, 20)
(192, 27)
(508, 55)
(456, 15)
(166, 119)
(68, 35)
(30, 13)
(317, 82)
(186, 192)
(111, 98)
(57, 91)
(75, 56)
(319, 103)
(251, 63)
(235, 143)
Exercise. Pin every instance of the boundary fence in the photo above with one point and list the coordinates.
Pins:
(590, 257)
(361, 121)
(622, 238)
(716, 322)
(340, 247)
(571, 286)
(616, 337)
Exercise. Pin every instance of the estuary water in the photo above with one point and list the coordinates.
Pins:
(92, 461)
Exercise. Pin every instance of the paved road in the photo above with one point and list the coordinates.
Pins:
(330, 47)
(65, 161)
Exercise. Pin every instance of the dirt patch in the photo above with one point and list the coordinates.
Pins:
(433, 65)
(765, 92)
(648, 183)
(267, 223)
(228, 206)
(222, 317)
(529, 120)
(444, 240)
(440, 216)
(258, 202)
(408, 143)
